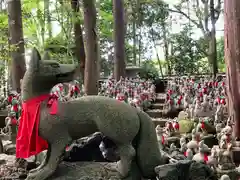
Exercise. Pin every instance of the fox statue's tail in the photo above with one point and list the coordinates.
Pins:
(148, 154)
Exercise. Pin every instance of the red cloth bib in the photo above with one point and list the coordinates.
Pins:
(28, 141)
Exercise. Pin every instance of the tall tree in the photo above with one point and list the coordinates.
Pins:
(166, 46)
(232, 58)
(47, 17)
(119, 39)
(134, 7)
(209, 14)
(18, 65)
(78, 37)
(91, 48)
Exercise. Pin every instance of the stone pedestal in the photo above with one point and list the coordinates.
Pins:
(74, 170)
(92, 171)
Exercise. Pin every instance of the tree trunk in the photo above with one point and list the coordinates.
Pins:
(99, 69)
(41, 23)
(232, 59)
(134, 42)
(158, 58)
(91, 48)
(47, 17)
(139, 46)
(119, 39)
(166, 50)
(212, 52)
(213, 42)
(18, 66)
(79, 44)
(139, 21)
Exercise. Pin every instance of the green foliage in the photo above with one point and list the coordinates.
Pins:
(187, 56)
(105, 18)
(4, 47)
(152, 18)
(154, 12)
(220, 54)
(148, 70)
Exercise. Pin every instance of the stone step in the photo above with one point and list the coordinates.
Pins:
(161, 95)
(158, 121)
(155, 113)
(160, 98)
(158, 106)
(160, 101)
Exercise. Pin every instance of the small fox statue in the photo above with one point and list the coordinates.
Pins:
(130, 129)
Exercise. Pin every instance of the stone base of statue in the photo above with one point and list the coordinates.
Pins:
(67, 170)
(92, 171)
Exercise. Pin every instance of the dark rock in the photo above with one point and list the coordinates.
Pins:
(185, 170)
(200, 171)
(178, 171)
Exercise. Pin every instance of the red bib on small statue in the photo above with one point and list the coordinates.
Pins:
(28, 141)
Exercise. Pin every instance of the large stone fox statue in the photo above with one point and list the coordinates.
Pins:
(41, 129)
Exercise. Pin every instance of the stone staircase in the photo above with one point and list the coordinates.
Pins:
(156, 113)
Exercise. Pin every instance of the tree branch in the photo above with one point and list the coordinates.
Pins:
(217, 10)
(197, 24)
(206, 14)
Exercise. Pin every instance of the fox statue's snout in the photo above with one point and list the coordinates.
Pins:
(42, 75)
(66, 73)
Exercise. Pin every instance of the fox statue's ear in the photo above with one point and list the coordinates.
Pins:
(35, 59)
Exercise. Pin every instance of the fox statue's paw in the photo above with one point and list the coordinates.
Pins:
(123, 168)
(127, 154)
(41, 174)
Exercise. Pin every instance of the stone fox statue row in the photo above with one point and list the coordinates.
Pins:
(47, 123)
